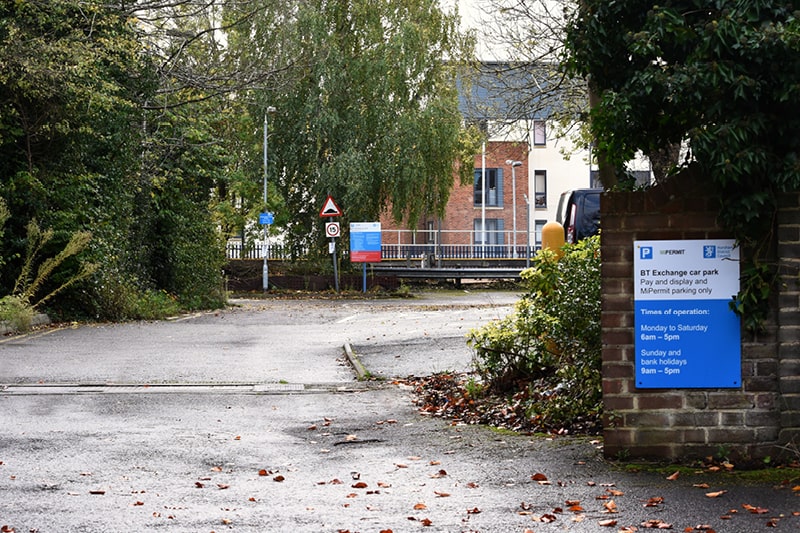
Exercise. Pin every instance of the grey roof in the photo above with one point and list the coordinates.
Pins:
(505, 91)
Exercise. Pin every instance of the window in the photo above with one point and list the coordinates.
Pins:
(430, 232)
(539, 225)
(540, 188)
(539, 133)
(493, 233)
(494, 187)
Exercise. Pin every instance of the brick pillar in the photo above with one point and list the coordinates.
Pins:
(789, 316)
(680, 423)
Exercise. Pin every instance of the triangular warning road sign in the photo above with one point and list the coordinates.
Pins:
(330, 209)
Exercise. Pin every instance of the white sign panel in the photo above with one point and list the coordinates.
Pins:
(686, 334)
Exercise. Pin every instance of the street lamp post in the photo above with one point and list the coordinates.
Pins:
(527, 231)
(265, 270)
(514, 165)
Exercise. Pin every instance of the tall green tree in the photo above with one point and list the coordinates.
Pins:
(366, 109)
(720, 77)
(70, 76)
(97, 133)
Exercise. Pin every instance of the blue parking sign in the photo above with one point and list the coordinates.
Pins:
(686, 335)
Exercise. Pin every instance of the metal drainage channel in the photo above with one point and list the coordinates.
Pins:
(181, 388)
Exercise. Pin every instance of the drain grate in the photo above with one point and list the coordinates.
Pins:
(179, 388)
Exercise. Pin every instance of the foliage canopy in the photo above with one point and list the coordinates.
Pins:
(137, 122)
(721, 78)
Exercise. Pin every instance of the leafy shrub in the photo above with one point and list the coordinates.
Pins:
(16, 313)
(550, 345)
(113, 296)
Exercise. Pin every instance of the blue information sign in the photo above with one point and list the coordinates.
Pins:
(365, 242)
(686, 334)
(266, 218)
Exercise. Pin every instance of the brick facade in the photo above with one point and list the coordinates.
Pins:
(751, 422)
(461, 211)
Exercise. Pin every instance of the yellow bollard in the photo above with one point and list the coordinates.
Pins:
(553, 238)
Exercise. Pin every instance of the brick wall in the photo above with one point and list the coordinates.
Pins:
(788, 317)
(461, 211)
(750, 422)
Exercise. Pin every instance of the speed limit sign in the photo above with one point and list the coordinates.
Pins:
(332, 229)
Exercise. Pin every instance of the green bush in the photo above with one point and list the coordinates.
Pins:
(114, 296)
(550, 345)
(15, 313)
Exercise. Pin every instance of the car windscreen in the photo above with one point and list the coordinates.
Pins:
(590, 216)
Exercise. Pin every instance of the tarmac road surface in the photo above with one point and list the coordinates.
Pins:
(250, 420)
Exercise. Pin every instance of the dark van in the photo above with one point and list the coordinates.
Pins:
(579, 213)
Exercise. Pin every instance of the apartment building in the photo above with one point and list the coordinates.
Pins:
(519, 175)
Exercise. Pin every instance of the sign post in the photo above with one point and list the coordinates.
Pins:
(365, 246)
(330, 209)
(686, 334)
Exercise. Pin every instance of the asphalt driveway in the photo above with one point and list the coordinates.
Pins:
(250, 419)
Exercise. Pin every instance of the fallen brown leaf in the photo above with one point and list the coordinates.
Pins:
(716, 494)
(607, 523)
(654, 502)
(420, 507)
(610, 507)
(656, 524)
(674, 476)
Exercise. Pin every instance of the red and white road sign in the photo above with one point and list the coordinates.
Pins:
(332, 229)
(330, 209)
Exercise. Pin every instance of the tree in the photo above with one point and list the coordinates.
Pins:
(93, 139)
(721, 78)
(70, 74)
(367, 108)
